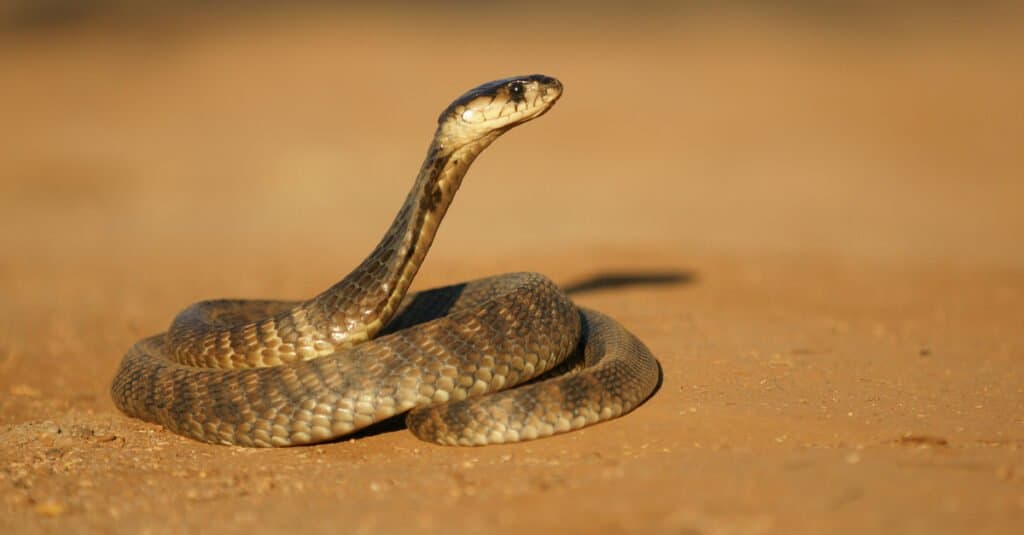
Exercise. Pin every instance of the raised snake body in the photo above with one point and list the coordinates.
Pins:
(278, 373)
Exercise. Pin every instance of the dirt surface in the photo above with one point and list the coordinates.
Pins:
(816, 226)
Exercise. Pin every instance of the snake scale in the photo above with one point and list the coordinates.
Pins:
(500, 359)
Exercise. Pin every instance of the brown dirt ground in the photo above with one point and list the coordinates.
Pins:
(815, 226)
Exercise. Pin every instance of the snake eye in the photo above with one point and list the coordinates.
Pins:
(516, 91)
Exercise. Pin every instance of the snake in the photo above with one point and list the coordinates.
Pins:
(501, 359)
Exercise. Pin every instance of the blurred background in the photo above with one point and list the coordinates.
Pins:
(824, 199)
(886, 132)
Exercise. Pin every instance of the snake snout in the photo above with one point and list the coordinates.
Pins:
(551, 87)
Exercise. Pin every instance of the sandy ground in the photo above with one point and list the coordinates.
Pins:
(816, 226)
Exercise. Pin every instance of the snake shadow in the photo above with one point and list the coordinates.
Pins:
(602, 281)
(622, 279)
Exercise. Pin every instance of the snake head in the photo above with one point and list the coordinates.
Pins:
(487, 111)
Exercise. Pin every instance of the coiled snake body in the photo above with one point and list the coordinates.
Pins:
(277, 373)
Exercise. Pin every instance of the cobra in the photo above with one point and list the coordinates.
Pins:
(501, 359)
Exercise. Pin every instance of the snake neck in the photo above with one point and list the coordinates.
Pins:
(358, 307)
(353, 310)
